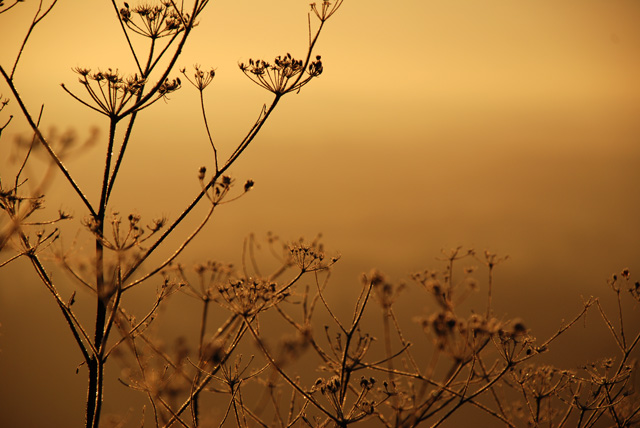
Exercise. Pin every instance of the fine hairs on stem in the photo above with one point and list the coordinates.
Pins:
(267, 344)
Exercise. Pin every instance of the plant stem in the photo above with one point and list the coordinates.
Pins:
(96, 364)
(46, 145)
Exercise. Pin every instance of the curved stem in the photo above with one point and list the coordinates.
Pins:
(206, 126)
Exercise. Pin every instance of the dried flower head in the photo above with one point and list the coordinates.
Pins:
(385, 292)
(250, 296)
(168, 86)
(284, 75)
(111, 92)
(326, 9)
(154, 21)
(201, 79)
(310, 257)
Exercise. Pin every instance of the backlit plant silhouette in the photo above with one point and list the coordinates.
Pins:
(390, 375)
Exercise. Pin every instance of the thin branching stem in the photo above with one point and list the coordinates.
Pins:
(126, 35)
(153, 91)
(175, 254)
(205, 381)
(197, 199)
(36, 20)
(206, 126)
(290, 381)
(44, 142)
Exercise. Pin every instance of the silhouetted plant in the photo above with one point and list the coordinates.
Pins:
(395, 374)
(119, 249)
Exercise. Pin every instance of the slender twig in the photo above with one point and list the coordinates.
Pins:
(610, 326)
(75, 326)
(564, 328)
(473, 395)
(11, 6)
(26, 156)
(239, 334)
(196, 200)
(36, 21)
(6, 262)
(175, 254)
(126, 35)
(206, 126)
(290, 381)
(44, 142)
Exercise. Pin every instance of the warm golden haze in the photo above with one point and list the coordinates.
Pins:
(156, 214)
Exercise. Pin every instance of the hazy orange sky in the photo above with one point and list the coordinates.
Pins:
(508, 125)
